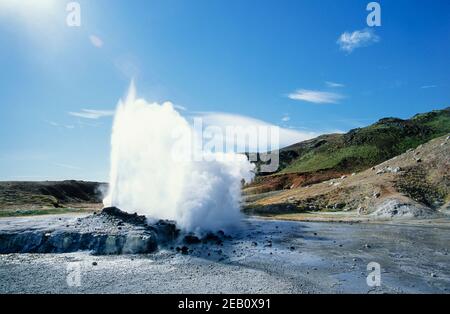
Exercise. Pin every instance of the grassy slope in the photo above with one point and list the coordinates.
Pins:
(416, 184)
(19, 198)
(362, 148)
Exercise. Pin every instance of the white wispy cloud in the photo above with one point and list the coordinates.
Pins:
(317, 97)
(67, 166)
(52, 123)
(334, 84)
(96, 41)
(287, 136)
(428, 86)
(286, 118)
(56, 124)
(128, 66)
(359, 38)
(179, 107)
(92, 113)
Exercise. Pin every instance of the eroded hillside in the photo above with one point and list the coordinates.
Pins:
(413, 184)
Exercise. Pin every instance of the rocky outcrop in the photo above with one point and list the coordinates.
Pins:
(110, 232)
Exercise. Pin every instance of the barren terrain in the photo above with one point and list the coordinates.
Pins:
(262, 256)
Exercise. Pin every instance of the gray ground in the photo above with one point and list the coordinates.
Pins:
(303, 258)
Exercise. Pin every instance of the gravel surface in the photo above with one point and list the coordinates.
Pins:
(262, 256)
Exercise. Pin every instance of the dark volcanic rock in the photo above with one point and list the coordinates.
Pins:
(211, 237)
(134, 219)
(184, 250)
(191, 239)
(111, 232)
(167, 230)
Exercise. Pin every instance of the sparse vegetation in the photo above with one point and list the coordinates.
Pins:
(35, 212)
(49, 197)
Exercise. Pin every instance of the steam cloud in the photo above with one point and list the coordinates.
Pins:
(149, 177)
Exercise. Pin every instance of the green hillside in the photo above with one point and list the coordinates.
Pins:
(364, 147)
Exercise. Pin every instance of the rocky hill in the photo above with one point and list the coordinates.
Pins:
(413, 184)
(334, 155)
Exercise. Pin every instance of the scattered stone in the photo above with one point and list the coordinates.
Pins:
(191, 239)
(211, 237)
(339, 206)
(433, 275)
(359, 210)
(367, 246)
(388, 169)
(184, 250)
(123, 216)
(94, 263)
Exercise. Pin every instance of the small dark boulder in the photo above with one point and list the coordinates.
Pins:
(133, 219)
(191, 239)
(184, 250)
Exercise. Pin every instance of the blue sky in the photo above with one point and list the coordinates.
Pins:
(281, 62)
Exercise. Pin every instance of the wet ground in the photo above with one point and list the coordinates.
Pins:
(263, 256)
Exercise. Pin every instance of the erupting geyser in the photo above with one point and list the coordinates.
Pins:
(153, 173)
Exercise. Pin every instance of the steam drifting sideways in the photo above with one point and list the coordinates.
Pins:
(153, 173)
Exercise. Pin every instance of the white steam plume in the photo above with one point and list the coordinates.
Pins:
(147, 179)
